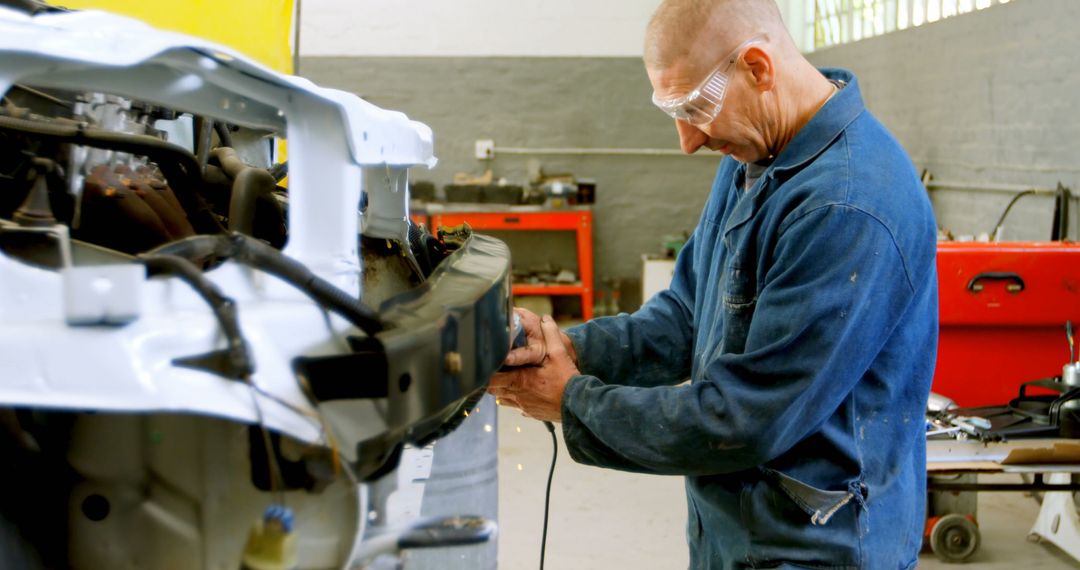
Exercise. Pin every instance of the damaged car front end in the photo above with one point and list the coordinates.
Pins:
(201, 366)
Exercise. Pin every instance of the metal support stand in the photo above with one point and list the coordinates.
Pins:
(1058, 522)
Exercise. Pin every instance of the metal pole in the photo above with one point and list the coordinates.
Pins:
(296, 40)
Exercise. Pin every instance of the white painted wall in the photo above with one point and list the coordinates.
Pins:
(486, 28)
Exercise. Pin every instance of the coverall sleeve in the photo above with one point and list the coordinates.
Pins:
(651, 347)
(834, 292)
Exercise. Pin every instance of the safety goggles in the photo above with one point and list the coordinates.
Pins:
(703, 104)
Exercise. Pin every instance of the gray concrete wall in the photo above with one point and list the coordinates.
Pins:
(547, 102)
(983, 99)
(980, 100)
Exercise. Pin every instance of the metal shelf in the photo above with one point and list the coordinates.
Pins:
(578, 220)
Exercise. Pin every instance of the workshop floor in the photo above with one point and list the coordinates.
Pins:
(606, 520)
(603, 519)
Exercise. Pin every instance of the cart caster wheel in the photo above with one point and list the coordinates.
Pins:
(954, 538)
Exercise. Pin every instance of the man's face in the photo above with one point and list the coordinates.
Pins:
(735, 129)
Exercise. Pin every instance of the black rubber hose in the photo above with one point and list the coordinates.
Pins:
(32, 7)
(224, 307)
(197, 249)
(249, 183)
(257, 254)
(99, 138)
(223, 134)
(230, 161)
(203, 128)
(254, 253)
(180, 167)
(246, 190)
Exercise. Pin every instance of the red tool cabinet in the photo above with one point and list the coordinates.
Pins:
(1003, 308)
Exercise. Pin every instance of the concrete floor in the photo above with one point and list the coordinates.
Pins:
(603, 519)
(599, 518)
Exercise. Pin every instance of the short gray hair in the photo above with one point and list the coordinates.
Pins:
(680, 29)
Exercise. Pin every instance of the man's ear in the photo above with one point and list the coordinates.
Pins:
(760, 64)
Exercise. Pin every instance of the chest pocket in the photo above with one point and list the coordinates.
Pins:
(739, 288)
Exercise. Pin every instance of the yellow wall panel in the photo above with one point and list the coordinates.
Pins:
(260, 29)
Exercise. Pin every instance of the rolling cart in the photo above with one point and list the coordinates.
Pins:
(1045, 465)
(1003, 310)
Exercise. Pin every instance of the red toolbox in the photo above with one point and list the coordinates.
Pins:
(1003, 308)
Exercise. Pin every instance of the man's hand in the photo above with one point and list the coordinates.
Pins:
(535, 349)
(537, 391)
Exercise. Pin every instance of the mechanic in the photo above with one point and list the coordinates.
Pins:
(803, 311)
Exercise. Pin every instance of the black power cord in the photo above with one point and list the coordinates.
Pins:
(518, 342)
(547, 494)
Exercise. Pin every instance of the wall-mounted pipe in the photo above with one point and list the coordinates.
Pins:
(988, 187)
(991, 167)
(579, 151)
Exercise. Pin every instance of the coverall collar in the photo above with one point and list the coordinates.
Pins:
(826, 125)
(829, 122)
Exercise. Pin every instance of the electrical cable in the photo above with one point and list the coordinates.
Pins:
(327, 432)
(224, 309)
(254, 253)
(261, 256)
(277, 480)
(547, 494)
(518, 340)
(1001, 220)
(313, 416)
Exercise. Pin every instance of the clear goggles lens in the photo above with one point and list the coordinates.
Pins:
(703, 104)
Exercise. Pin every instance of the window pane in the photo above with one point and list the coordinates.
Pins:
(831, 22)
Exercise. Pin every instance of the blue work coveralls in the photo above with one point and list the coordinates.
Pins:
(803, 311)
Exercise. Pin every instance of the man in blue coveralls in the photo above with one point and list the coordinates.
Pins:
(803, 312)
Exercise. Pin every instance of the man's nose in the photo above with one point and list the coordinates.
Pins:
(691, 138)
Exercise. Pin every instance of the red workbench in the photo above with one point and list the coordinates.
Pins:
(531, 218)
